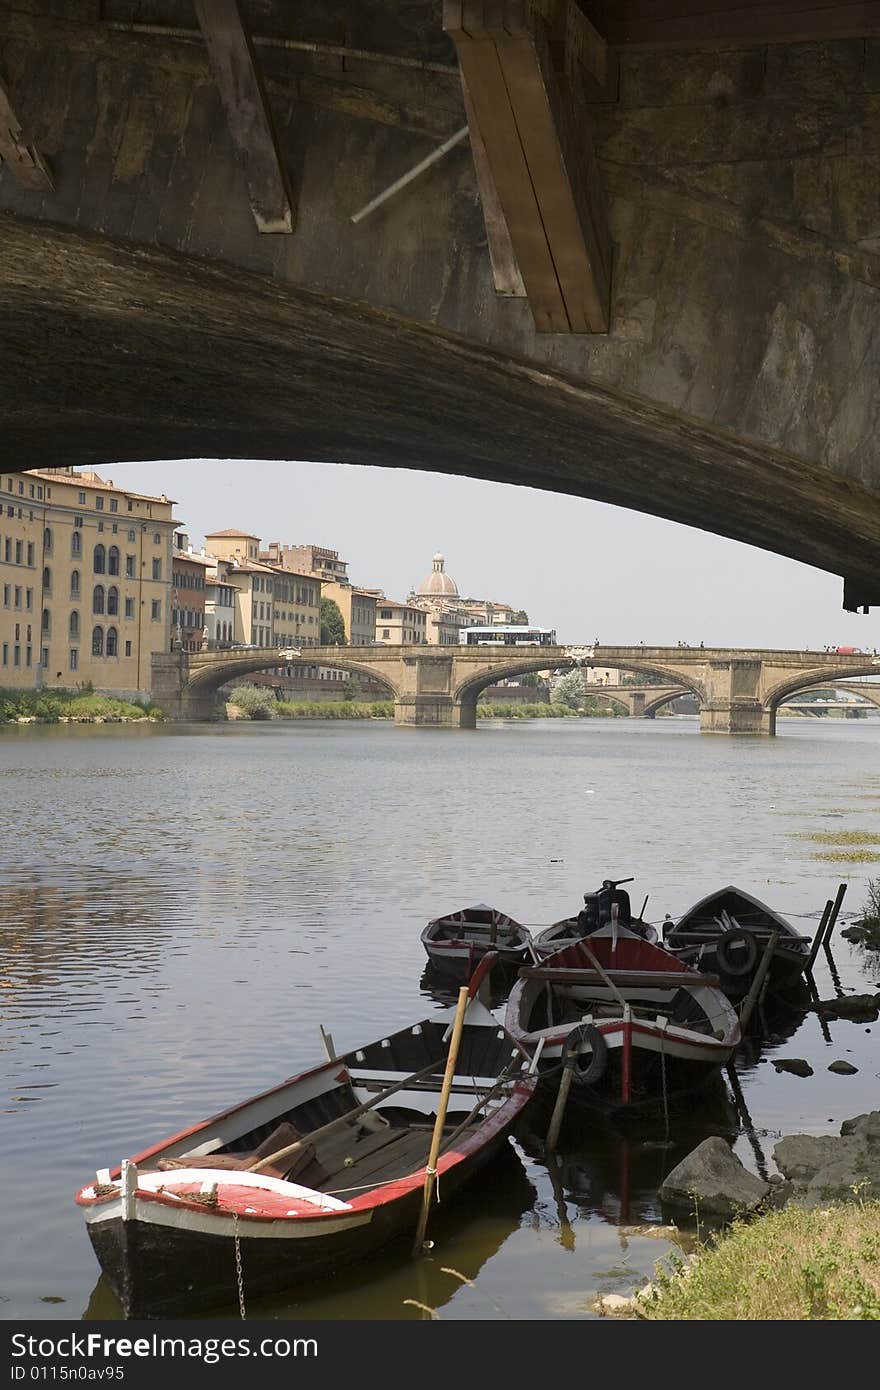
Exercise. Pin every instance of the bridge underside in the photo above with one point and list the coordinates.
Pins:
(181, 276)
(146, 354)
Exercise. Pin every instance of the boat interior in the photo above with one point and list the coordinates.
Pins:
(367, 1150)
(553, 1004)
(708, 917)
(466, 928)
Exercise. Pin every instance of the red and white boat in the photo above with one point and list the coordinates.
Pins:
(172, 1226)
(458, 942)
(647, 1021)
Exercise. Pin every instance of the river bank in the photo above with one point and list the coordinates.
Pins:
(71, 707)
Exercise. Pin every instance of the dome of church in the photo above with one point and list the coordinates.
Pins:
(438, 584)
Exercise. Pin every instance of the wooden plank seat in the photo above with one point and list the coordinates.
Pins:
(642, 979)
(282, 1135)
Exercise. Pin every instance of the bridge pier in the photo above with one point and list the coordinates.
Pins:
(736, 717)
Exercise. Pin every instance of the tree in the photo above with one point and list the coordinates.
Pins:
(569, 690)
(521, 617)
(332, 624)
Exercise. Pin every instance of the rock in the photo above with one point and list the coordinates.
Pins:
(801, 1156)
(861, 1008)
(651, 1232)
(796, 1065)
(713, 1179)
(842, 1068)
(848, 1179)
(865, 1127)
(614, 1305)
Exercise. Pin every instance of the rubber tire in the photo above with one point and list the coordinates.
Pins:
(592, 1074)
(734, 962)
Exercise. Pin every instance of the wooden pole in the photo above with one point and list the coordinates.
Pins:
(431, 1166)
(626, 1057)
(569, 1061)
(748, 1007)
(820, 932)
(832, 920)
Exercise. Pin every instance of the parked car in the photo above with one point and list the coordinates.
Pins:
(848, 651)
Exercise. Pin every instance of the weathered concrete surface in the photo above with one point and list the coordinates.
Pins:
(144, 316)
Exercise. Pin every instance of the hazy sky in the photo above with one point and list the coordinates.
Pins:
(585, 568)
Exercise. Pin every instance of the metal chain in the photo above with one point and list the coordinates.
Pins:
(238, 1274)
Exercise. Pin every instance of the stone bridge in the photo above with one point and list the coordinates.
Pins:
(641, 262)
(739, 692)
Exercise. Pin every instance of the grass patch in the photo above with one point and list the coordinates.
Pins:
(849, 856)
(840, 837)
(51, 706)
(337, 709)
(789, 1265)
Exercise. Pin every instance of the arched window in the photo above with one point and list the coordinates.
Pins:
(98, 641)
(76, 544)
(74, 583)
(100, 560)
(47, 540)
(47, 580)
(73, 625)
(112, 642)
(47, 622)
(112, 605)
(113, 560)
(98, 599)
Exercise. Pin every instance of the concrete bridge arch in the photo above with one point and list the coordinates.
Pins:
(808, 681)
(635, 699)
(187, 685)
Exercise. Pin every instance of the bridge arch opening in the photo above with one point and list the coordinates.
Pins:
(210, 676)
(468, 691)
(652, 707)
(808, 680)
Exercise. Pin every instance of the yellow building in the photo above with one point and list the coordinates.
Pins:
(358, 609)
(253, 582)
(85, 582)
(297, 609)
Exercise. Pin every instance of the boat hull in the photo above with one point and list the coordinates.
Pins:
(162, 1263)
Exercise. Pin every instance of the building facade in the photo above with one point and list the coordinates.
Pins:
(307, 559)
(219, 606)
(400, 624)
(85, 582)
(358, 609)
(188, 582)
(297, 608)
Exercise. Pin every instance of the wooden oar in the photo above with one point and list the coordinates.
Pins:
(431, 1166)
(341, 1119)
(605, 976)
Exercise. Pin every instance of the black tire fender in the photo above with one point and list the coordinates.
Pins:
(732, 959)
(586, 1035)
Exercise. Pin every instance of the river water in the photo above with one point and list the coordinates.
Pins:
(184, 905)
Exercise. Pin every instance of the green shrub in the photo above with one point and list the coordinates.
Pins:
(255, 701)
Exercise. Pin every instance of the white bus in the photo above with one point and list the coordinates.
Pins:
(507, 635)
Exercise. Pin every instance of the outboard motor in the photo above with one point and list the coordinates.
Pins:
(611, 895)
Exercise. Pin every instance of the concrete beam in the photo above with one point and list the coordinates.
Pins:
(248, 114)
(17, 153)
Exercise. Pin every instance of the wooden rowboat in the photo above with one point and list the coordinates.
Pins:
(648, 1022)
(458, 942)
(725, 933)
(301, 1180)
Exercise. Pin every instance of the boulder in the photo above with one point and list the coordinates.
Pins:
(713, 1180)
(842, 1068)
(796, 1065)
(865, 1127)
(823, 1168)
(800, 1156)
